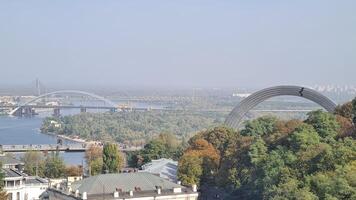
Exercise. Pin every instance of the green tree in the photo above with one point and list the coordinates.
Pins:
(258, 151)
(190, 169)
(304, 136)
(290, 189)
(262, 126)
(324, 123)
(34, 163)
(112, 159)
(54, 166)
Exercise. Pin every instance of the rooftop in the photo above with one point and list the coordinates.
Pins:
(166, 168)
(11, 173)
(7, 160)
(124, 182)
(35, 181)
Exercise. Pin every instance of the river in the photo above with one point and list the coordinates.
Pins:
(14, 130)
(24, 130)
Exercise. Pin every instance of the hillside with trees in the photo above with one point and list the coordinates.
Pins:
(132, 128)
(275, 159)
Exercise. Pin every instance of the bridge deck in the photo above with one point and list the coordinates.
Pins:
(79, 147)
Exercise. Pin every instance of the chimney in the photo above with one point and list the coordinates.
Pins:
(77, 193)
(194, 188)
(131, 193)
(159, 190)
(179, 182)
(116, 194)
(177, 190)
(84, 196)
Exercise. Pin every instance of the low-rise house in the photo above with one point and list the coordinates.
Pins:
(136, 186)
(165, 168)
(19, 186)
(10, 162)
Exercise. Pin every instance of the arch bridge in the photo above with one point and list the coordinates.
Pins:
(27, 109)
(237, 114)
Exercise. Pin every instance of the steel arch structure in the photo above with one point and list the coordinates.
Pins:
(236, 115)
(65, 92)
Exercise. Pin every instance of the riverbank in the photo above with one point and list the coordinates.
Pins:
(68, 138)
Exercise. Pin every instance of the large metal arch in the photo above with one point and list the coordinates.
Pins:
(236, 115)
(65, 92)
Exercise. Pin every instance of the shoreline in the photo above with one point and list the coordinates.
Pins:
(78, 140)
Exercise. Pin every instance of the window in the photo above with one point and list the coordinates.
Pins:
(18, 196)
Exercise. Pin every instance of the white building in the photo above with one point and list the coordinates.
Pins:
(19, 186)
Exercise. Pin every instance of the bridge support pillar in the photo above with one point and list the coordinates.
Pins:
(56, 112)
(28, 112)
(83, 109)
(18, 112)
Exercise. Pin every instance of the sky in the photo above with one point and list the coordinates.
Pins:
(185, 43)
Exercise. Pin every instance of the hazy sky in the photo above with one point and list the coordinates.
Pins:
(178, 43)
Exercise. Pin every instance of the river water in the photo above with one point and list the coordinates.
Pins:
(14, 130)
(24, 130)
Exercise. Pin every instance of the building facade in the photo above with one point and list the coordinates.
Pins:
(19, 186)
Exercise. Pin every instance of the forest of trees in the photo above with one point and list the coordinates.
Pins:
(131, 128)
(275, 159)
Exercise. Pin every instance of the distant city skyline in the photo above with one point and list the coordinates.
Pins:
(178, 44)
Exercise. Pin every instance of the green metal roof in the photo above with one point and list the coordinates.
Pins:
(108, 183)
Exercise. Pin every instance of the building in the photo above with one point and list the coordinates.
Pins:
(19, 186)
(135, 186)
(165, 168)
(11, 163)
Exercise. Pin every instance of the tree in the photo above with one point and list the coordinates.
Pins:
(338, 184)
(74, 170)
(345, 110)
(346, 126)
(258, 151)
(54, 166)
(3, 195)
(354, 110)
(165, 145)
(112, 158)
(262, 126)
(34, 163)
(324, 123)
(190, 169)
(203, 158)
(94, 159)
(304, 136)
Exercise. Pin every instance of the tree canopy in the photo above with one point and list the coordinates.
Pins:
(112, 158)
(276, 159)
